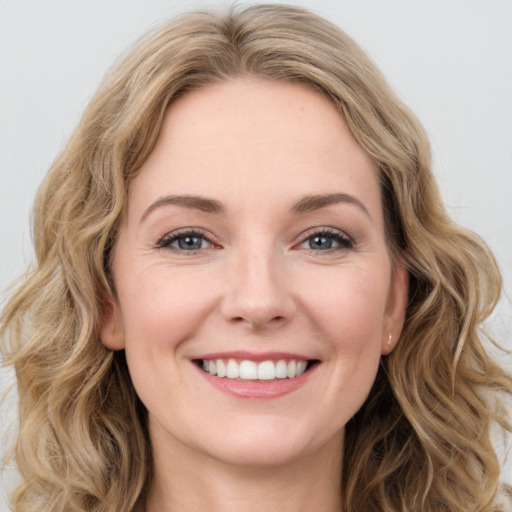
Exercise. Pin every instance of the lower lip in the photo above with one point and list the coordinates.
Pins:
(258, 388)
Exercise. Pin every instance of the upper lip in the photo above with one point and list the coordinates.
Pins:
(253, 356)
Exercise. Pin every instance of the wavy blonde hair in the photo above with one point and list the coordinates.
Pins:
(421, 441)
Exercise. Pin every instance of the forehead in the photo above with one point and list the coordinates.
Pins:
(273, 138)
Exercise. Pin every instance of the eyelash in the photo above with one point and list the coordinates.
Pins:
(344, 242)
(166, 241)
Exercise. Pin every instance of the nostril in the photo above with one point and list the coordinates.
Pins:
(258, 322)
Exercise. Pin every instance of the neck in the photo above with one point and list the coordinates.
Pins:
(187, 482)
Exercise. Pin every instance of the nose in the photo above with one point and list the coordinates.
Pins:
(258, 294)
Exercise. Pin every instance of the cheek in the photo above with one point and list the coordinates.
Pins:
(163, 307)
(348, 304)
(349, 312)
(162, 312)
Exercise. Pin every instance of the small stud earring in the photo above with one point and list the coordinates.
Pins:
(390, 338)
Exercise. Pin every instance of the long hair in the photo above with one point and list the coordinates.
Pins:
(422, 439)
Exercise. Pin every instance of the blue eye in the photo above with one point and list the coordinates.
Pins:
(320, 242)
(187, 241)
(327, 240)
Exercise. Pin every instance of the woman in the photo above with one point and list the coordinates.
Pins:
(248, 293)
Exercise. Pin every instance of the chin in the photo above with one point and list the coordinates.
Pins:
(268, 444)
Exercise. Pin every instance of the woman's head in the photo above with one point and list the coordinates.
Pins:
(253, 239)
(78, 217)
(120, 127)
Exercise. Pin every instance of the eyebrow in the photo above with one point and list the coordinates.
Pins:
(308, 203)
(315, 202)
(202, 204)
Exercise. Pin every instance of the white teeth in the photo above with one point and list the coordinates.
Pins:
(301, 367)
(250, 370)
(232, 370)
(292, 365)
(281, 370)
(221, 368)
(266, 370)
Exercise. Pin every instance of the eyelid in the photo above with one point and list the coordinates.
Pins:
(166, 240)
(345, 241)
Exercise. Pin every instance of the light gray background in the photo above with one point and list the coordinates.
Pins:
(450, 60)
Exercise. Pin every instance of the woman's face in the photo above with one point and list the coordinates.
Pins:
(253, 247)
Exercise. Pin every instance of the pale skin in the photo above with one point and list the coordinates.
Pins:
(255, 225)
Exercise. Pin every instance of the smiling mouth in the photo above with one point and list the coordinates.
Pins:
(256, 371)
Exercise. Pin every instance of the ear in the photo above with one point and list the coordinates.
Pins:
(395, 308)
(112, 331)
